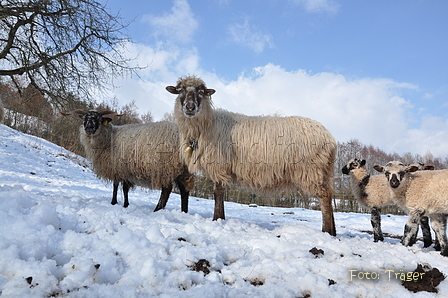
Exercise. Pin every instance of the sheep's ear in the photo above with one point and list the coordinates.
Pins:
(106, 121)
(428, 168)
(412, 169)
(378, 168)
(209, 92)
(363, 162)
(172, 89)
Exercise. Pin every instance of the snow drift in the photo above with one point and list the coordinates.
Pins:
(60, 237)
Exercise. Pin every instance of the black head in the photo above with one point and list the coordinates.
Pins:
(353, 164)
(93, 119)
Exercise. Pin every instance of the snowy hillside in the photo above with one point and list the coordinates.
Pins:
(60, 237)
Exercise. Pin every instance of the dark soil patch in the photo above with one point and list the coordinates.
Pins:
(201, 266)
(317, 252)
(29, 280)
(255, 282)
(428, 281)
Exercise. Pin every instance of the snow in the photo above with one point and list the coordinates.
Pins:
(60, 237)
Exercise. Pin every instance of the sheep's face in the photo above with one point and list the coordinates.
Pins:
(191, 94)
(353, 164)
(92, 121)
(395, 172)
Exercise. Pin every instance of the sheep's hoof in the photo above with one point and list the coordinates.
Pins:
(189, 150)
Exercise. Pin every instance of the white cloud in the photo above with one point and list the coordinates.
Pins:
(429, 95)
(250, 36)
(163, 67)
(371, 110)
(431, 136)
(328, 6)
(179, 25)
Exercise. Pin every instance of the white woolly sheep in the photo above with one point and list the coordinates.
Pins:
(423, 193)
(268, 153)
(372, 192)
(135, 154)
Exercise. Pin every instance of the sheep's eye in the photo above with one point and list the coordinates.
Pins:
(387, 174)
(401, 173)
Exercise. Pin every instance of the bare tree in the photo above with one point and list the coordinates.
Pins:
(147, 117)
(169, 116)
(61, 46)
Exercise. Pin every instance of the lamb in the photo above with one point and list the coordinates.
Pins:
(372, 192)
(423, 193)
(135, 154)
(268, 153)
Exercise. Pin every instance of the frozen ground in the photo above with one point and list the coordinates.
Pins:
(60, 237)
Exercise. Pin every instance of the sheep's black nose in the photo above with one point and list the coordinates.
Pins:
(90, 130)
(90, 127)
(190, 106)
(394, 182)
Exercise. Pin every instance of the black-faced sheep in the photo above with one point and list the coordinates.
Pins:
(267, 153)
(423, 193)
(372, 192)
(135, 154)
(2, 111)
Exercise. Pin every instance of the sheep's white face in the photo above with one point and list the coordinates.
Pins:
(395, 172)
(353, 164)
(190, 96)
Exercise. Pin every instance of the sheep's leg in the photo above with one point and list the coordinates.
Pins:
(114, 193)
(438, 224)
(427, 238)
(184, 193)
(219, 201)
(166, 191)
(375, 220)
(326, 207)
(437, 244)
(126, 187)
(411, 228)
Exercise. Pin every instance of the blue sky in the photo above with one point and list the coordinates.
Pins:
(372, 70)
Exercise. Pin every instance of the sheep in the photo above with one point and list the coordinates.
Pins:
(423, 193)
(135, 154)
(2, 111)
(261, 152)
(372, 192)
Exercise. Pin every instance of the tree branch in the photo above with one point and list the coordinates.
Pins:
(61, 46)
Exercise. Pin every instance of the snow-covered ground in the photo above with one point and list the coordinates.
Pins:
(60, 237)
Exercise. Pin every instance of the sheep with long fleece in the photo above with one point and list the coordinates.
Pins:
(372, 192)
(135, 154)
(262, 152)
(423, 193)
